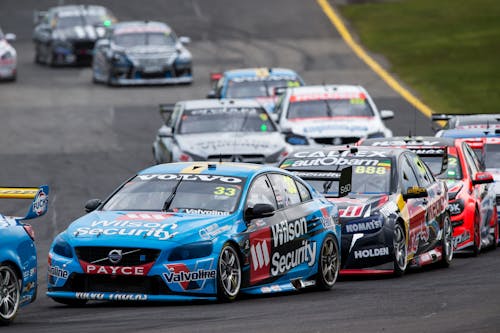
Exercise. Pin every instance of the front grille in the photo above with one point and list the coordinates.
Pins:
(130, 256)
(336, 140)
(151, 285)
(153, 75)
(83, 47)
(246, 158)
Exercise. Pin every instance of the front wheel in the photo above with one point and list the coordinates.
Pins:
(10, 291)
(447, 243)
(476, 247)
(329, 264)
(400, 250)
(228, 274)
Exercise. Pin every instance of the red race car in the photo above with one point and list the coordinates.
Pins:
(471, 197)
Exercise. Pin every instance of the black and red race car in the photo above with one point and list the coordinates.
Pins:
(471, 197)
(395, 214)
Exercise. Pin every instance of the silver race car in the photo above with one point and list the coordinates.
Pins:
(218, 130)
(8, 57)
(142, 53)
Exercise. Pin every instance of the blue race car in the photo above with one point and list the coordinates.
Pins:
(186, 231)
(18, 273)
(261, 84)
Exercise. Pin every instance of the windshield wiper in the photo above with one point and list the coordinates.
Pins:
(170, 198)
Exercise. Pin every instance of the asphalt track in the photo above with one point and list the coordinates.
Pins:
(56, 127)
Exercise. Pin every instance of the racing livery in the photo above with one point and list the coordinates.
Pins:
(186, 231)
(8, 57)
(18, 273)
(261, 84)
(142, 53)
(65, 35)
(218, 130)
(331, 114)
(472, 202)
(396, 213)
(468, 121)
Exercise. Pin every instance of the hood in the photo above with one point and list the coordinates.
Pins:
(336, 126)
(231, 143)
(135, 228)
(159, 51)
(359, 206)
(87, 32)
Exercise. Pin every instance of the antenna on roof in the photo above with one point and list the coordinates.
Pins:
(220, 157)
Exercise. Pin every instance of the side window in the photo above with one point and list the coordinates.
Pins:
(285, 190)
(260, 192)
(421, 172)
(175, 115)
(408, 178)
(218, 87)
(279, 106)
(305, 195)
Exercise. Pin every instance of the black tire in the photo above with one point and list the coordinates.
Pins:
(37, 54)
(476, 247)
(329, 264)
(10, 294)
(447, 243)
(228, 274)
(400, 250)
(494, 243)
(49, 59)
(70, 301)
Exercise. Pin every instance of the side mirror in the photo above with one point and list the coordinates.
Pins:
(184, 40)
(259, 211)
(166, 111)
(415, 192)
(165, 132)
(278, 91)
(10, 37)
(92, 205)
(212, 94)
(102, 43)
(38, 16)
(386, 114)
(482, 178)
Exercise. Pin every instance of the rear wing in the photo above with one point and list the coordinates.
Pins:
(343, 176)
(432, 151)
(40, 197)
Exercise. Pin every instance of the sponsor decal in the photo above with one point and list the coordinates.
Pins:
(392, 143)
(285, 232)
(267, 77)
(202, 211)
(144, 216)
(141, 270)
(389, 208)
(371, 253)
(187, 177)
(111, 297)
(213, 231)
(465, 236)
(260, 249)
(306, 253)
(327, 96)
(129, 228)
(28, 287)
(333, 127)
(328, 161)
(351, 211)
(26, 299)
(338, 153)
(368, 225)
(328, 221)
(90, 296)
(190, 280)
(115, 256)
(40, 203)
(58, 272)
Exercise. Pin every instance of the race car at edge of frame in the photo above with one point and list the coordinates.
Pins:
(186, 231)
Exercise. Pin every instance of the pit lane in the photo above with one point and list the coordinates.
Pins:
(57, 127)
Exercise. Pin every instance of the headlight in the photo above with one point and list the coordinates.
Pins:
(183, 56)
(120, 59)
(456, 207)
(376, 135)
(62, 248)
(7, 55)
(191, 251)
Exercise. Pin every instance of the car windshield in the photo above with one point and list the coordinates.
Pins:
(453, 171)
(260, 88)
(303, 107)
(231, 119)
(191, 194)
(492, 157)
(73, 19)
(373, 177)
(144, 38)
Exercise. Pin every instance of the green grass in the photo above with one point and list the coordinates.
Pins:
(448, 51)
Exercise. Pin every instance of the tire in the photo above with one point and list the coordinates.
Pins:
(329, 264)
(228, 274)
(37, 54)
(70, 301)
(447, 243)
(476, 247)
(49, 60)
(10, 294)
(494, 243)
(400, 250)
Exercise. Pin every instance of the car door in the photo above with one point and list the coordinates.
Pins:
(416, 207)
(259, 231)
(294, 252)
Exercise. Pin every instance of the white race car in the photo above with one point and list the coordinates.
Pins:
(8, 57)
(330, 114)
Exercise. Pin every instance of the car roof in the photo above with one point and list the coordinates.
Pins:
(409, 141)
(476, 119)
(210, 168)
(469, 133)
(75, 8)
(217, 103)
(327, 88)
(141, 25)
(259, 72)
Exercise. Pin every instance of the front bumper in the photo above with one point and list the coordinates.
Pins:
(137, 75)
(7, 71)
(463, 229)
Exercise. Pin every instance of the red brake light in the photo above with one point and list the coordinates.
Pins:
(184, 158)
(29, 230)
(215, 76)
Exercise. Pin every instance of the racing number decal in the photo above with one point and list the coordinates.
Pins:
(370, 170)
(227, 191)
